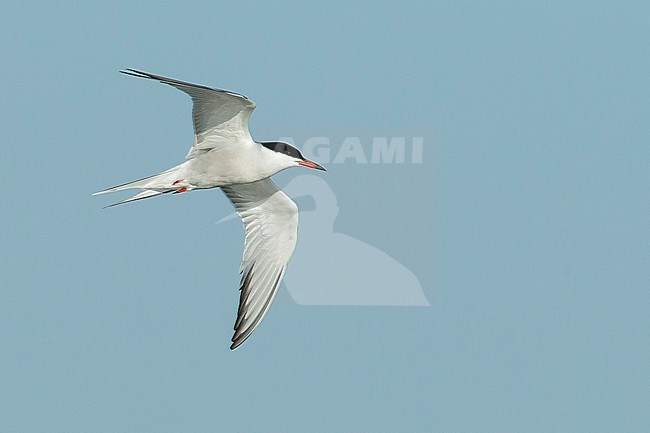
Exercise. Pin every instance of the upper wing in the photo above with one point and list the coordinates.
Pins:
(220, 117)
(271, 223)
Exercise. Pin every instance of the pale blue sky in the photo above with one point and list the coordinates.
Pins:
(527, 224)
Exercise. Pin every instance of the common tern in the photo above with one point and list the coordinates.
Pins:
(224, 155)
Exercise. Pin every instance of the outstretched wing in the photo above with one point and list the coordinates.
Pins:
(270, 220)
(220, 117)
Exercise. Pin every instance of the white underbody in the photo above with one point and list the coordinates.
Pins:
(224, 155)
(244, 162)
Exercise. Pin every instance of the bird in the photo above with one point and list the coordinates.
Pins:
(225, 156)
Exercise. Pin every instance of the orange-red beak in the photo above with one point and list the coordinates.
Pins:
(310, 164)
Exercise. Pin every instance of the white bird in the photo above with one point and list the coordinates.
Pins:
(224, 155)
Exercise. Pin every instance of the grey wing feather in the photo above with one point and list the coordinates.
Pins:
(219, 116)
(270, 220)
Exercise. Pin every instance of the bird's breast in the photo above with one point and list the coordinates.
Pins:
(224, 167)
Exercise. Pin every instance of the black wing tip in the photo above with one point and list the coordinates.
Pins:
(173, 82)
(136, 73)
(237, 341)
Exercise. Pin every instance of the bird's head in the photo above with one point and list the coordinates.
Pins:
(289, 155)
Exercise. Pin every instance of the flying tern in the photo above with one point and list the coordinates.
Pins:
(224, 155)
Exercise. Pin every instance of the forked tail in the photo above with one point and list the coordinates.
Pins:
(151, 186)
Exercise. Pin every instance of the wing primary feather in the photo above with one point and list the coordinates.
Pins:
(219, 117)
(243, 295)
(271, 223)
(174, 82)
(237, 340)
